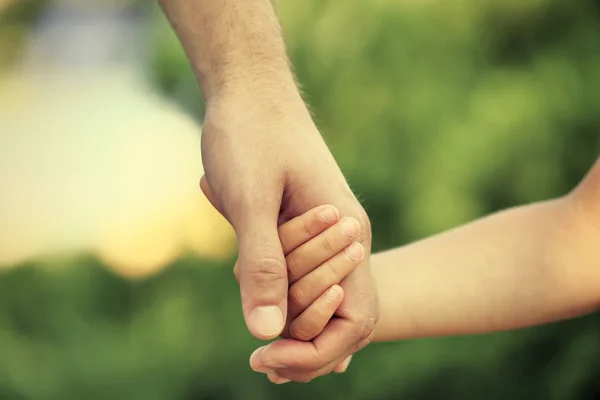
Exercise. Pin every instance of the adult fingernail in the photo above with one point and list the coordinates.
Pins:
(335, 293)
(330, 215)
(269, 363)
(350, 226)
(355, 251)
(263, 370)
(277, 379)
(267, 321)
(274, 365)
(255, 356)
(345, 364)
(256, 363)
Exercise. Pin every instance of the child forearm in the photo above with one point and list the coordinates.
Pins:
(521, 267)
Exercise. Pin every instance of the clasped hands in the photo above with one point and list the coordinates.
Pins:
(304, 240)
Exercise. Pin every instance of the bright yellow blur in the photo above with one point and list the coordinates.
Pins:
(91, 161)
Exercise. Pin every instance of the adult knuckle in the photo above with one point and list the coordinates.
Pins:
(363, 325)
(363, 343)
(267, 270)
(367, 326)
(365, 331)
(365, 225)
(366, 341)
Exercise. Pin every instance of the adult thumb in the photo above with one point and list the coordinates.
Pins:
(262, 271)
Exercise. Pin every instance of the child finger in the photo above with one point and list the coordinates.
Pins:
(320, 249)
(301, 229)
(313, 320)
(303, 292)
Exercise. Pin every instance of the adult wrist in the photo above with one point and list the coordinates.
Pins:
(250, 84)
(267, 102)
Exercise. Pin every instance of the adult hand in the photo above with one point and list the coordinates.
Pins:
(265, 163)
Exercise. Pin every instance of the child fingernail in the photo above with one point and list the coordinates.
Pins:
(335, 293)
(355, 251)
(350, 226)
(330, 215)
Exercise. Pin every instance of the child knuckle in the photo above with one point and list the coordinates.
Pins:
(292, 266)
(298, 295)
(328, 245)
(334, 268)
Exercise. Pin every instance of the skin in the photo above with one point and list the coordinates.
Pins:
(313, 264)
(266, 163)
(521, 267)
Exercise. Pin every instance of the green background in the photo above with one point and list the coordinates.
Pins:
(438, 113)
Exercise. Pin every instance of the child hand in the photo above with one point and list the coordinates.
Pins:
(320, 252)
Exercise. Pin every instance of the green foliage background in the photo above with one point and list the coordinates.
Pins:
(439, 113)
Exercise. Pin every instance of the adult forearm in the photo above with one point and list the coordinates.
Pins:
(234, 46)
